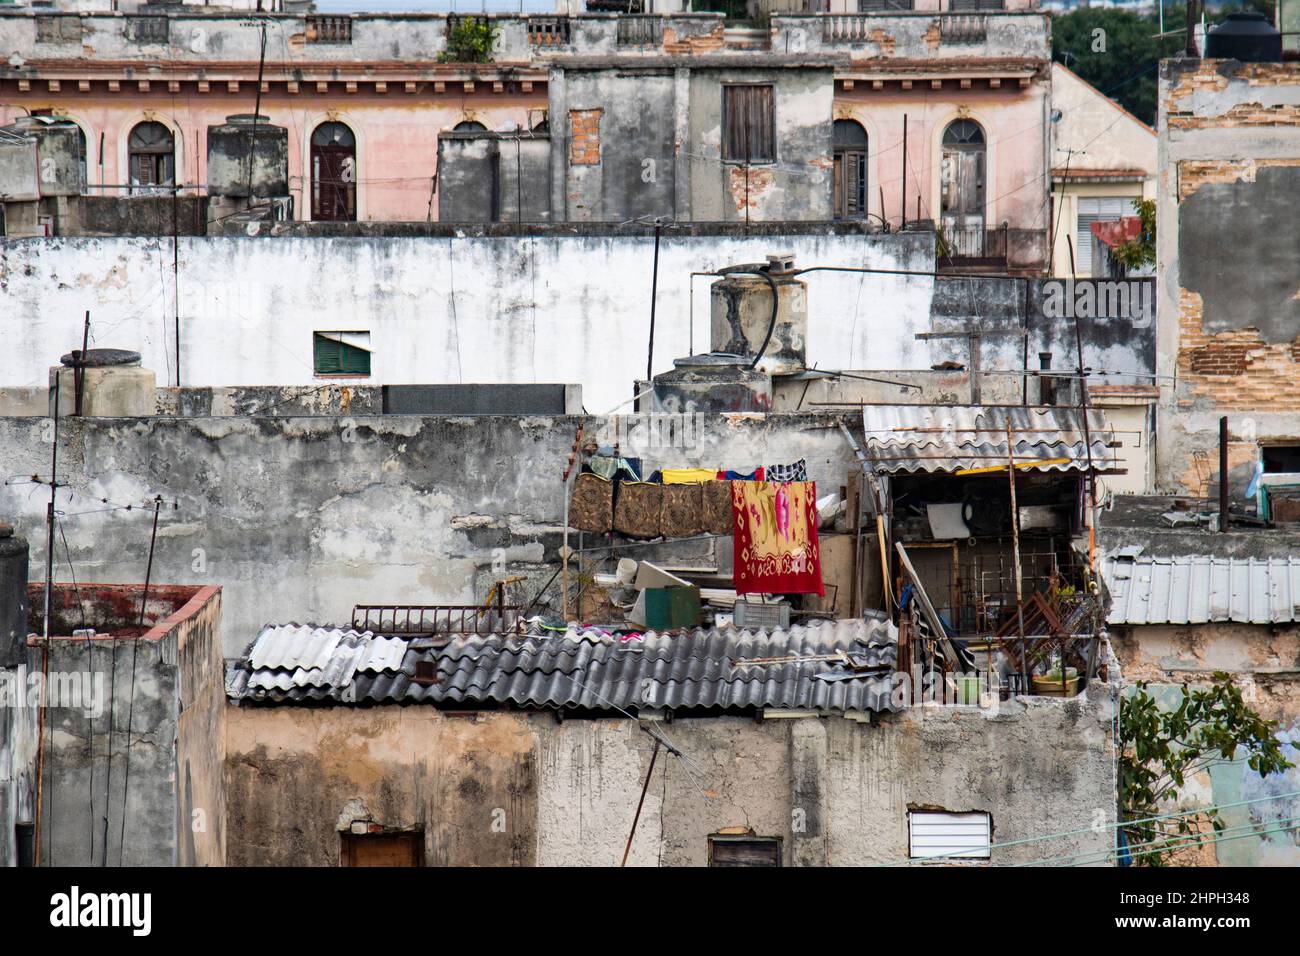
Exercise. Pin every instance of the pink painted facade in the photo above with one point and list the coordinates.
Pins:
(396, 135)
(983, 75)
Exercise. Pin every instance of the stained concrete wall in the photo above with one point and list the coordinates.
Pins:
(1229, 152)
(142, 746)
(302, 518)
(524, 789)
(1264, 662)
(484, 306)
(633, 141)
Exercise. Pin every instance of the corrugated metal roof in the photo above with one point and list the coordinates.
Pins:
(912, 438)
(594, 670)
(1199, 589)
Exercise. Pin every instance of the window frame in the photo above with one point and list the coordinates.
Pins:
(975, 854)
(725, 147)
(342, 371)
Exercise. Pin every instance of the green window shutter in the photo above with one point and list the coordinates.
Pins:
(332, 357)
(328, 360)
(353, 360)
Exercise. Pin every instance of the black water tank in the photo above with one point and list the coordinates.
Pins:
(1247, 37)
(13, 597)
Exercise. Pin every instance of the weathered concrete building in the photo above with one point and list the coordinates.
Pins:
(1229, 343)
(1103, 159)
(1188, 602)
(918, 105)
(534, 751)
(114, 733)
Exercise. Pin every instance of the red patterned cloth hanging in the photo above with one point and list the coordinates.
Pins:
(775, 537)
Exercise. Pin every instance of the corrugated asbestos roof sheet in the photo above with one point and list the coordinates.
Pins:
(1198, 589)
(912, 438)
(591, 669)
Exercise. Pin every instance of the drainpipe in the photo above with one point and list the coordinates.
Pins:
(1223, 474)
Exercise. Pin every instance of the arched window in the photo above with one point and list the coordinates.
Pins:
(961, 186)
(469, 126)
(333, 173)
(152, 156)
(850, 150)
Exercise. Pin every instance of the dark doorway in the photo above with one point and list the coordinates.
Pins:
(333, 173)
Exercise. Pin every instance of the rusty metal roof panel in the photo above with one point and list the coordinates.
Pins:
(1202, 589)
(596, 670)
(941, 438)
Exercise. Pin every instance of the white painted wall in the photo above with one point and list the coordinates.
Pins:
(569, 309)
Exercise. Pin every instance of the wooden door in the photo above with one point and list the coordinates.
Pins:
(334, 183)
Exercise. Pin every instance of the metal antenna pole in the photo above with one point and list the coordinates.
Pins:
(654, 754)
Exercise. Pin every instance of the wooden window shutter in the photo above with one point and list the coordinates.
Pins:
(749, 133)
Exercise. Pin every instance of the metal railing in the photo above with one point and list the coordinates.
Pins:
(974, 242)
(415, 620)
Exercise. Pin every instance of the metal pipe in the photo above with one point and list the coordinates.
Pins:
(644, 787)
(1223, 474)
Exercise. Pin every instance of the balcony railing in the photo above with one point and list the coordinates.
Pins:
(548, 31)
(329, 29)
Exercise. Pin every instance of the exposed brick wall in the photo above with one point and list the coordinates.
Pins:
(1236, 370)
(709, 42)
(584, 137)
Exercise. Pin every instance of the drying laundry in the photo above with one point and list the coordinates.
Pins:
(755, 475)
(688, 476)
(796, 472)
(775, 545)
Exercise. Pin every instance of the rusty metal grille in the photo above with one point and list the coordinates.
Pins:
(413, 620)
(548, 31)
(329, 29)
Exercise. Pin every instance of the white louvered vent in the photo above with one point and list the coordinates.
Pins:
(932, 833)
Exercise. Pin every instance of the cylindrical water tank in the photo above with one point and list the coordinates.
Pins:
(741, 317)
(242, 139)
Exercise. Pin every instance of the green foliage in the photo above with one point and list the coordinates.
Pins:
(1140, 252)
(1125, 67)
(1161, 750)
(469, 40)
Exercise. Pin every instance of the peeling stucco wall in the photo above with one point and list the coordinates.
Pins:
(569, 305)
(524, 789)
(1229, 150)
(302, 518)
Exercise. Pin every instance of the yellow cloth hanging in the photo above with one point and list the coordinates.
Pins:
(688, 476)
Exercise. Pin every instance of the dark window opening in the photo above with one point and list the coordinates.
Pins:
(333, 173)
(25, 843)
(1281, 458)
(341, 353)
(469, 126)
(152, 159)
(850, 174)
(748, 124)
(743, 850)
(405, 848)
